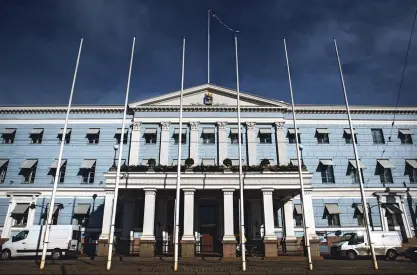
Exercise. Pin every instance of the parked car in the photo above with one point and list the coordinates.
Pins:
(351, 245)
(63, 240)
(411, 253)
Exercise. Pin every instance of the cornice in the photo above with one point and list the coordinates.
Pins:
(60, 109)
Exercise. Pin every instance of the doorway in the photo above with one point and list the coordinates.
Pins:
(208, 218)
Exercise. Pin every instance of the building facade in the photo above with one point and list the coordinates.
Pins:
(209, 212)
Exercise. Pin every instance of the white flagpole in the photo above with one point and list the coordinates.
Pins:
(178, 193)
(119, 163)
(242, 214)
(300, 168)
(208, 46)
(58, 167)
(358, 166)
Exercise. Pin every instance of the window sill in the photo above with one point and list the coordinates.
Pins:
(27, 183)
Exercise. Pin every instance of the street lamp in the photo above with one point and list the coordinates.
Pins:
(301, 147)
(115, 147)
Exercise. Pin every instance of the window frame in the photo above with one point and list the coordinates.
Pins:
(291, 138)
(93, 138)
(406, 139)
(385, 174)
(323, 138)
(36, 138)
(3, 172)
(355, 175)
(265, 138)
(412, 175)
(24, 217)
(327, 174)
(177, 139)
(333, 220)
(118, 138)
(88, 175)
(210, 137)
(150, 138)
(375, 137)
(62, 172)
(349, 139)
(29, 174)
(67, 139)
(9, 138)
(298, 220)
(234, 138)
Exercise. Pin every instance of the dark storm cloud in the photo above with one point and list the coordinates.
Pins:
(40, 43)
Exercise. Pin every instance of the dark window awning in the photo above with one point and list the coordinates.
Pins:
(61, 131)
(9, 131)
(392, 208)
(405, 131)
(332, 208)
(412, 163)
(265, 131)
(36, 131)
(55, 163)
(150, 131)
(119, 131)
(93, 131)
(177, 131)
(28, 164)
(209, 130)
(3, 162)
(353, 163)
(81, 209)
(298, 209)
(20, 208)
(385, 163)
(88, 164)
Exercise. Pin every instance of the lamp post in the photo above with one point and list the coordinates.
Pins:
(301, 150)
(115, 147)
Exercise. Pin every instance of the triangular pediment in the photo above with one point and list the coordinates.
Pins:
(208, 95)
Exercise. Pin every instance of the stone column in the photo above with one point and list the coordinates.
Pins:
(229, 239)
(280, 143)
(384, 222)
(405, 219)
(222, 142)
(163, 150)
(290, 239)
(147, 241)
(31, 212)
(7, 227)
(194, 141)
(270, 239)
(188, 240)
(105, 227)
(310, 224)
(252, 141)
(134, 144)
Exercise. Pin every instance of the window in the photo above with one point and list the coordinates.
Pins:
(81, 213)
(20, 214)
(21, 235)
(378, 136)
(62, 171)
(36, 135)
(322, 135)
(291, 136)
(67, 135)
(353, 171)
(93, 135)
(331, 213)
(359, 214)
(298, 215)
(411, 170)
(265, 136)
(326, 169)
(405, 136)
(183, 136)
(88, 170)
(209, 136)
(384, 171)
(234, 136)
(8, 135)
(150, 136)
(118, 135)
(393, 214)
(4, 163)
(28, 170)
(347, 135)
(208, 162)
(55, 215)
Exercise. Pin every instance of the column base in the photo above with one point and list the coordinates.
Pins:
(314, 248)
(103, 248)
(271, 248)
(291, 245)
(188, 248)
(147, 248)
(229, 249)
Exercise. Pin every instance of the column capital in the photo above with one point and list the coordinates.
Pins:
(228, 191)
(194, 125)
(267, 191)
(109, 192)
(136, 126)
(222, 125)
(189, 191)
(279, 125)
(149, 191)
(165, 125)
(250, 126)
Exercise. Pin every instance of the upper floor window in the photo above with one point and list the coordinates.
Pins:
(3, 169)
(347, 135)
(326, 169)
(298, 215)
(322, 135)
(93, 135)
(384, 170)
(411, 170)
(291, 135)
(265, 135)
(8, 135)
(359, 214)
(88, 170)
(150, 135)
(234, 136)
(208, 135)
(405, 136)
(332, 212)
(67, 135)
(378, 136)
(55, 214)
(20, 214)
(28, 170)
(118, 135)
(183, 136)
(353, 171)
(53, 168)
(36, 135)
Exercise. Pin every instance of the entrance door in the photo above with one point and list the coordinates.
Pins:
(208, 227)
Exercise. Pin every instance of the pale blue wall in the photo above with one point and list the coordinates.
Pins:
(4, 206)
(233, 149)
(208, 151)
(173, 148)
(148, 151)
(266, 150)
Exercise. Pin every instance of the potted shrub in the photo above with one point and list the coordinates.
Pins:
(189, 162)
(152, 163)
(265, 162)
(227, 162)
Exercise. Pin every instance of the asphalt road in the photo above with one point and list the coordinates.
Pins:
(135, 266)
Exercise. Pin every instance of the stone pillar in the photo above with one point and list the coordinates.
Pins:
(384, 222)
(311, 225)
(188, 240)
(134, 144)
(163, 150)
(270, 239)
(147, 241)
(289, 233)
(280, 143)
(405, 219)
(103, 241)
(194, 141)
(229, 239)
(31, 213)
(7, 227)
(222, 142)
(252, 136)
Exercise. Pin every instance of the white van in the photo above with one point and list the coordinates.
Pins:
(63, 240)
(351, 245)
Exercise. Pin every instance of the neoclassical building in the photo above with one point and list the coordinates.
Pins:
(209, 212)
